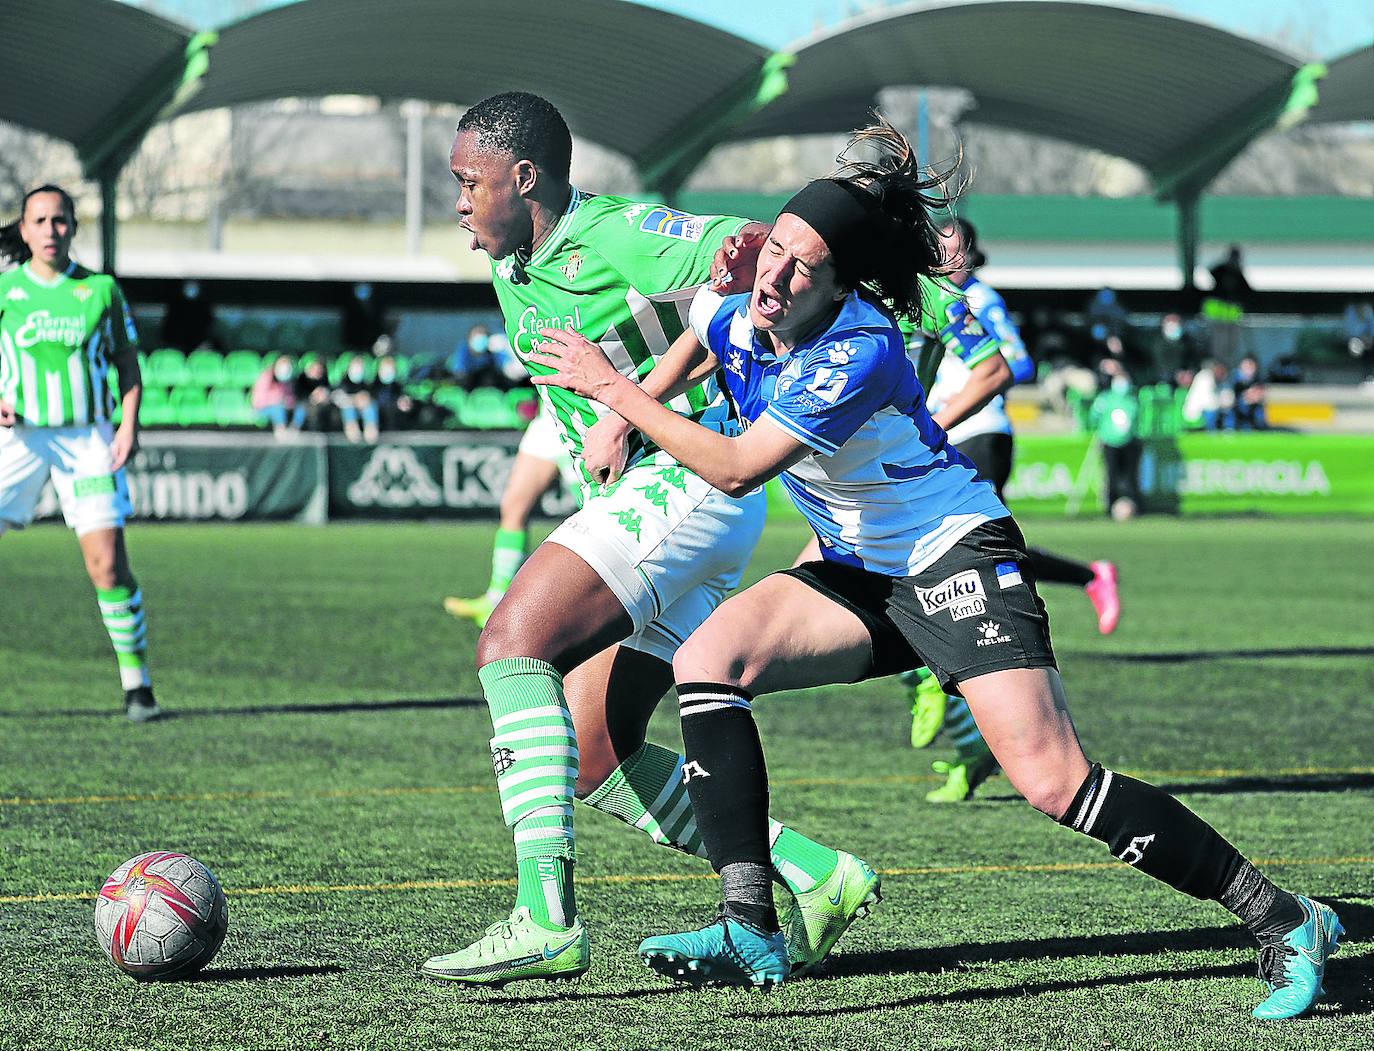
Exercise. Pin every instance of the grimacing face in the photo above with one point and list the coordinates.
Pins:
(47, 228)
(795, 285)
(492, 185)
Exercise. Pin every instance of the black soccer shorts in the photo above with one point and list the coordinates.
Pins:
(974, 611)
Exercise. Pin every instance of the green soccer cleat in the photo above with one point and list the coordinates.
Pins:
(515, 949)
(728, 952)
(816, 919)
(478, 610)
(962, 777)
(928, 704)
(1292, 966)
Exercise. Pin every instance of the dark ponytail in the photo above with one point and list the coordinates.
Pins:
(903, 241)
(12, 247)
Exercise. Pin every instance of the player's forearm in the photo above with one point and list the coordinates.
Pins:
(989, 378)
(130, 388)
(712, 456)
(685, 365)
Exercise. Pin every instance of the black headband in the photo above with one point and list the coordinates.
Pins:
(842, 214)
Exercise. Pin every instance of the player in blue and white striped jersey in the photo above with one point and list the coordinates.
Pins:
(921, 565)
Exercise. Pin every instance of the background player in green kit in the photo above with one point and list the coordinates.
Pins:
(61, 330)
(576, 656)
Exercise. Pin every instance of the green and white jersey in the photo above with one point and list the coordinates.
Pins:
(948, 326)
(621, 274)
(57, 343)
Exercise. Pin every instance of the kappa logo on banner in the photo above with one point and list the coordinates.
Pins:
(395, 477)
(961, 594)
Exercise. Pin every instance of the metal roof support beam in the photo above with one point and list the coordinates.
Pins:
(666, 165)
(158, 97)
(1187, 205)
(1281, 107)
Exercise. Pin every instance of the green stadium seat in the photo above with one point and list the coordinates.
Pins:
(242, 367)
(233, 407)
(156, 408)
(523, 405)
(289, 337)
(167, 368)
(452, 400)
(254, 334)
(322, 337)
(486, 410)
(206, 368)
(191, 407)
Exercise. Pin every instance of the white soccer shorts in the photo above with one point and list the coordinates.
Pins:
(668, 545)
(79, 462)
(541, 441)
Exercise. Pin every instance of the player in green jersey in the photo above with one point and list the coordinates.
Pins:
(62, 328)
(578, 653)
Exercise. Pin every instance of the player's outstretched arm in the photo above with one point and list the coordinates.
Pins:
(125, 442)
(990, 377)
(735, 466)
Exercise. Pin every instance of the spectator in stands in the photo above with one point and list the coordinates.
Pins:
(1224, 307)
(274, 397)
(1248, 412)
(1173, 351)
(313, 394)
(1106, 316)
(1209, 400)
(1359, 334)
(397, 410)
(471, 362)
(1113, 417)
(362, 320)
(189, 321)
(356, 404)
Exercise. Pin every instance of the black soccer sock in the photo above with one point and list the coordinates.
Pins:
(1051, 569)
(1151, 830)
(726, 778)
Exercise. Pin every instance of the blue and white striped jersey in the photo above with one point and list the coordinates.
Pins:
(885, 491)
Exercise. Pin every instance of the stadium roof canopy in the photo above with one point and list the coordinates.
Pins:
(1347, 90)
(1178, 97)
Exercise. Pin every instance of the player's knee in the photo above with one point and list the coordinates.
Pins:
(100, 567)
(1049, 794)
(707, 662)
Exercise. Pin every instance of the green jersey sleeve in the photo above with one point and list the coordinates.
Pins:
(660, 250)
(947, 319)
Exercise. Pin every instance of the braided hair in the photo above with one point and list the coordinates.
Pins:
(12, 247)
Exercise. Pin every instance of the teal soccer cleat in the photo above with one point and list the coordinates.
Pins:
(1292, 966)
(728, 952)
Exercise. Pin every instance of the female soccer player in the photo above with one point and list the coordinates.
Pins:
(922, 564)
(61, 329)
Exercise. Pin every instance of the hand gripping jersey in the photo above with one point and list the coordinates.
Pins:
(885, 491)
(986, 307)
(57, 343)
(621, 274)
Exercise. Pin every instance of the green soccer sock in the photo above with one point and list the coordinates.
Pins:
(647, 791)
(507, 556)
(962, 730)
(121, 608)
(534, 754)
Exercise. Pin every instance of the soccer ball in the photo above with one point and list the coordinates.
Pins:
(161, 915)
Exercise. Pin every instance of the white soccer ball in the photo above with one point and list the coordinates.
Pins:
(161, 915)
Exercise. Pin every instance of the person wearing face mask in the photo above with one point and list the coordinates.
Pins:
(274, 397)
(471, 363)
(62, 329)
(1113, 417)
(357, 407)
(397, 410)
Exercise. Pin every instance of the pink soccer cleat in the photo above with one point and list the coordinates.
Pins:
(1101, 592)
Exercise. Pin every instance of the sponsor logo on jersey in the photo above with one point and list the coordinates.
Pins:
(82, 293)
(17, 294)
(961, 594)
(632, 213)
(529, 323)
(42, 327)
(669, 222)
(992, 634)
(971, 326)
(572, 266)
(734, 362)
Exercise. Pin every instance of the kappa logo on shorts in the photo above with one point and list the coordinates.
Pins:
(991, 632)
(961, 594)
